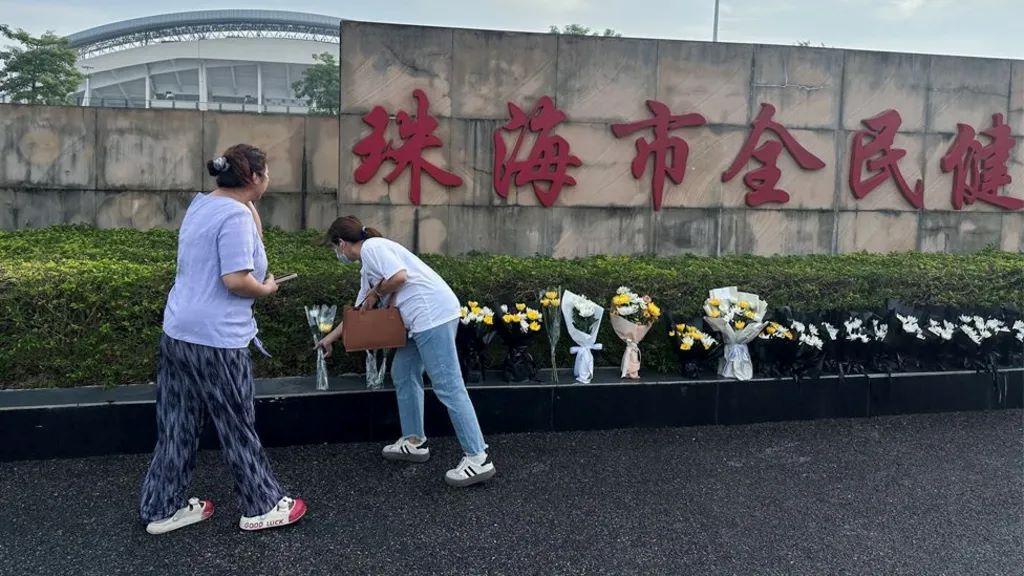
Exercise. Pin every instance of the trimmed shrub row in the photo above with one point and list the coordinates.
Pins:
(80, 306)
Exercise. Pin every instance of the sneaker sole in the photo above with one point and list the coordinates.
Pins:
(482, 477)
(400, 457)
(207, 513)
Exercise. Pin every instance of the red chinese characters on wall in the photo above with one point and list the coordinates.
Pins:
(417, 135)
(762, 181)
(660, 147)
(546, 166)
(979, 170)
(872, 150)
(978, 162)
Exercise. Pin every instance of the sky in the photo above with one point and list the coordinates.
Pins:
(988, 28)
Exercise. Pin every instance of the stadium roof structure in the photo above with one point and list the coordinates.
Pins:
(205, 24)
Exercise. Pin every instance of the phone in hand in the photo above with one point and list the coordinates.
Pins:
(286, 278)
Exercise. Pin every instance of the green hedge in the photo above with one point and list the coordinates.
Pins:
(80, 306)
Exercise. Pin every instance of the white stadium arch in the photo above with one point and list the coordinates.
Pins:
(243, 60)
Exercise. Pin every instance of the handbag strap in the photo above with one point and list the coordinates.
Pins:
(390, 298)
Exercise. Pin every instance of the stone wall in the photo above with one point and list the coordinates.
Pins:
(821, 96)
(139, 168)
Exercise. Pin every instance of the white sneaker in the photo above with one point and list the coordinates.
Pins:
(406, 451)
(470, 471)
(288, 511)
(194, 512)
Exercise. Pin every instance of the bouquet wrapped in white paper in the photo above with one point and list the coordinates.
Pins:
(739, 318)
(582, 321)
(632, 316)
(321, 321)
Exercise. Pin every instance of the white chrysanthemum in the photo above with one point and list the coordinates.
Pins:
(622, 290)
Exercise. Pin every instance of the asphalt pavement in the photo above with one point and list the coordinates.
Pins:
(916, 495)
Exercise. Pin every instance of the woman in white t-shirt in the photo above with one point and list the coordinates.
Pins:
(430, 311)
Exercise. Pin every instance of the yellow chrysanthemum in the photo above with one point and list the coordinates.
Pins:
(520, 307)
(475, 310)
(714, 302)
(715, 313)
(680, 327)
(532, 314)
(750, 314)
(535, 326)
(471, 304)
(556, 302)
(672, 333)
(545, 302)
(685, 346)
(462, 312)
(325, 327)
(744, 304)
(551, 295)
(696, 335)
(620, 300)
(740, 324)
(654, 310)
(771, 329)
(489, 320)
(507, 318)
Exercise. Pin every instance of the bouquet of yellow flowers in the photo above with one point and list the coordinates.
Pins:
(475, 332)
(550, 302)
(321, 321)
(739, 318)
(693, 346)
(517, 325)
(632, 317)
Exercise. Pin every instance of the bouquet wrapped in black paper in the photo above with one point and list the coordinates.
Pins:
(909, 343)
(810, 352)
(517, 327)
(694, 347)
(977, 337)
(476, 330)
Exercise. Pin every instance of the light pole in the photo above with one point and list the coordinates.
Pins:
(715, 37)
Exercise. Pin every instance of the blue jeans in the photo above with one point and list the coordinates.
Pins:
(434, 350)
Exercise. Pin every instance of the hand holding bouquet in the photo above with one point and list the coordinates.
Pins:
(632, 316)
(739, 318)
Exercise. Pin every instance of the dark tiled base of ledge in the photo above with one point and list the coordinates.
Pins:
(97, 421)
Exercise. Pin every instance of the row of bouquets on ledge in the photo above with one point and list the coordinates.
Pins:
(733, 332)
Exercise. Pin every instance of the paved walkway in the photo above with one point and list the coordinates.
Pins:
(938, 494)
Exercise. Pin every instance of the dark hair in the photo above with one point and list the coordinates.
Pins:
(238, 166)
(350, 229)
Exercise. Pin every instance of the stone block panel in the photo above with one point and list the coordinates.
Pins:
(1013, 232)
(960, 231)
(939, 185)
(803, 84)
(879, 81)
(707, 78)
(395, 222)
(281, 210)
(472, 158)
(281, 137)
(491, 69)
(149, 150)
(381, 65)
(968, 91)
(575, 232)
(134, 209)
(8, 209)
(1017, 98)
(606, 79)
(765, 233)
(321, 154)
(321, 211)
(47, 147)
(521, 230)
(881, 232)
(712, 150)
(685, 231)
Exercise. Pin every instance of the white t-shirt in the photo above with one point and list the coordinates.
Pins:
(425, 301)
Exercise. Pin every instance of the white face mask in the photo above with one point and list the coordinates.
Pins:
(341, 256)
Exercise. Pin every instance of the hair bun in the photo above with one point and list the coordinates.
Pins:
(220, 163)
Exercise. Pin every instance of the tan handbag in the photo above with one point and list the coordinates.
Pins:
(378, 329)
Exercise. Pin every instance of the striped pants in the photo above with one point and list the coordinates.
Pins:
(195, 383)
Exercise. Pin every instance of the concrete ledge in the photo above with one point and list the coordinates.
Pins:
(62, 423)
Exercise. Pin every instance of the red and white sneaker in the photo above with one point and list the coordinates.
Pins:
(288, 511)
(194, 512)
